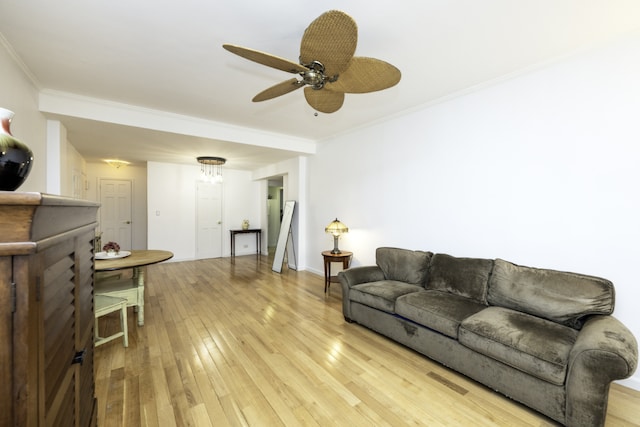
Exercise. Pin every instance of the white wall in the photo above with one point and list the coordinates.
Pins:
(66, 168)
(55, 157)
(74, 179)
(19, 95)
(172, 193)
(56, 140)
(540, 170)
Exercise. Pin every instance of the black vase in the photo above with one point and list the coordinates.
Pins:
(15, 157)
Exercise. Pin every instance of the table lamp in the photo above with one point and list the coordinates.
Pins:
(336, 228)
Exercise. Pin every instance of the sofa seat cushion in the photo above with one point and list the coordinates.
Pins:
(440, 311)
(381, 295)
(531, 344)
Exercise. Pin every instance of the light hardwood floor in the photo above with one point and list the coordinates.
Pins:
(231, 343)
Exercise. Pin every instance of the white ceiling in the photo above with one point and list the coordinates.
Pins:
(167, 56)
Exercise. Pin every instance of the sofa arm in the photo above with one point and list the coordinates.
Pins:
(356, 275)
(605, 350)
(352, 277)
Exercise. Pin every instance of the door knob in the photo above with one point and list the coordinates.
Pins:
(127, 222)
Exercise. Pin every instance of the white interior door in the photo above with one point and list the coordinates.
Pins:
(115, 212)
(209, 221)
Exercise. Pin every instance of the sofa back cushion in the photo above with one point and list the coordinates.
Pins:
(565, 298)
(467, 277)
(404, 265)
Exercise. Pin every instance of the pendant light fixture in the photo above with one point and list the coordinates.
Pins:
(211, 168)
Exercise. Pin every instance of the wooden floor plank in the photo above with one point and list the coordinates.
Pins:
(232, 343)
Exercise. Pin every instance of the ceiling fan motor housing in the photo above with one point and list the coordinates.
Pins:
(314, 77)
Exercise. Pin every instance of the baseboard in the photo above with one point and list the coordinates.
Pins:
(633, 382)
(314, 271)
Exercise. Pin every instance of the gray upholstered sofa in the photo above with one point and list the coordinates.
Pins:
(542, 337)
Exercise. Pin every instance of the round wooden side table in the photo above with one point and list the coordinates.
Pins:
(344, 257)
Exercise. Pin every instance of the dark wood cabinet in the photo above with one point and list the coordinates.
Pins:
(46, 306)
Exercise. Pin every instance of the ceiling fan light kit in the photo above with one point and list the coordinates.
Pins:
(327, 67)
(115, 163)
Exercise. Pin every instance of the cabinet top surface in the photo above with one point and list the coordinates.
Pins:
(33, 220)
(42, 199)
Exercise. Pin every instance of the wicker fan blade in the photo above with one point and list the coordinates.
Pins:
(330, 39)
(277, 90)
(366, 75)
(266, 59)
(324, 101)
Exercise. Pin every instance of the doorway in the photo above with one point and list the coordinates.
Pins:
(115, 212)
(208, 220)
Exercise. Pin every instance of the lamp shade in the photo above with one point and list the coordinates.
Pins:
(336, 228)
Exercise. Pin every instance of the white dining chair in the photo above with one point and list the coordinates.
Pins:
(104, 305)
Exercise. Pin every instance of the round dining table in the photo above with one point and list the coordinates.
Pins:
(131, 289)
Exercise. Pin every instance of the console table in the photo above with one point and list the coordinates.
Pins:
(344, 257)
(258, 233)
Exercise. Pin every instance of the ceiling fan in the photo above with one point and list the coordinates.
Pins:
(327, 68)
